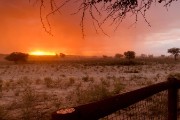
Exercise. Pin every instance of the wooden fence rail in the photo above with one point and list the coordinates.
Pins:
(100, 109)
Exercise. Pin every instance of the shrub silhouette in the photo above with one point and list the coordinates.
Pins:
(118, 55)
(17, 57)
(62, 55)
(129, 55)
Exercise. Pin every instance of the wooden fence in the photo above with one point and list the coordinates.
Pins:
(100, 109)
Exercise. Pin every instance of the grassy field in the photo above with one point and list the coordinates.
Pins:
(33, 90)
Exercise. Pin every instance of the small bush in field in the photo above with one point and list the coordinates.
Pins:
(48, 82)
(3, 112)
(23, 82)
(105, 82)
(71, 80)
(118, 56)
(92, 93)
(7, 86)
(85, 78)
(1, 86)
(68, 83)
(38, 81)
(118, 87)
(28, 98)
(17, 92)
(131, 71)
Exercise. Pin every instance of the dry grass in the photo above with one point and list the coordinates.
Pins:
(33, 91)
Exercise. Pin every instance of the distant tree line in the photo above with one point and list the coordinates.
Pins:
(131, 54)
(23, 57)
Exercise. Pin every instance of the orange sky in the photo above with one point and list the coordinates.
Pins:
(21, 30)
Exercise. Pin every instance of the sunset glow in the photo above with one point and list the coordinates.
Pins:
(22, 30)
(41, 53)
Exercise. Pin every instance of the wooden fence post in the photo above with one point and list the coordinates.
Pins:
(172, 98)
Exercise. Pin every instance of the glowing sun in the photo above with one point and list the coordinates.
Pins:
(41, 53)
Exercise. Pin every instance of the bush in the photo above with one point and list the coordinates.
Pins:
(17, 57)
(92, 93)
(118, 56)
(3, 112)
(62, 55)
(85, 78)
(48, 82)
(118, 87)
(129, 55)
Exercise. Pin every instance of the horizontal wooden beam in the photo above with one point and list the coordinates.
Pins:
(100, 109)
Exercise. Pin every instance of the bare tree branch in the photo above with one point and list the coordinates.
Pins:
(113, 10)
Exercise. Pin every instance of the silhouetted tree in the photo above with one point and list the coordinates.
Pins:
(62, 55)
(129, 55)
(143, 56)
(162, 56)
(150, 56)
(175, 52)
(115, 10)
(105, 56)
(17, 57)
(118, 55)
